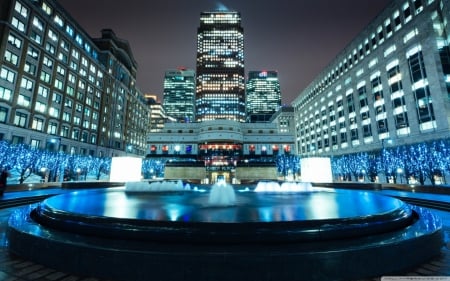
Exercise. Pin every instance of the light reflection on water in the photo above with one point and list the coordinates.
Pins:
(250, 206)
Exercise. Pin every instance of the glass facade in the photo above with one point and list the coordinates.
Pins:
(220, 67)
(263, 95)
(179, 93)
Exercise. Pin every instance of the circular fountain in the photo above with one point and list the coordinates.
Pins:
(295, 232)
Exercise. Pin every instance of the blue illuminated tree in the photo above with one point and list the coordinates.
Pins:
(287, 163)
(5, 154)
(445, 160)
(403, 163)
(432, 159)
(358, 164)
(346, 167)
(153, 168)
(101, 166)
(372, 167)
(24, 160)
(418, 155)
(336, 166)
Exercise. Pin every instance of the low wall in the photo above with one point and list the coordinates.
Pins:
(90, 184)
(31, 186)
(185, 173)
(64, 185)
(249, 174)
(380, 186)
(350, 185)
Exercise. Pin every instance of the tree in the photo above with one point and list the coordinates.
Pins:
(101, 166)
(287, 163)
(153, 167)
(372, 167)
(24, 160)
(358, 164)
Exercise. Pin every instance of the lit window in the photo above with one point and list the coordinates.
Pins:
(18, 24)
(21, 9)
(58, 20)
(46, 8)
(5, 94)
(7, 75)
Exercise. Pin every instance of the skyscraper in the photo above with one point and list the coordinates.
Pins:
(220, 67)
(179, 92)
(263, 95)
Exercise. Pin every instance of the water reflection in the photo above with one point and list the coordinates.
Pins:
(249, 207)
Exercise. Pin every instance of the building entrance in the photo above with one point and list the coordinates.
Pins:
(216, 177)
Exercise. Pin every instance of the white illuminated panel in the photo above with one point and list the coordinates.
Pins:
(124, 169)
(316, 169)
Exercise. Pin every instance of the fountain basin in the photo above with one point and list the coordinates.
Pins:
(188, 216)
(314, 235)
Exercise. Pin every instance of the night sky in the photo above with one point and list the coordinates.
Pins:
(296, 38)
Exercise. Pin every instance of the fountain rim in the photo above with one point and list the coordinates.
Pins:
(224, 232)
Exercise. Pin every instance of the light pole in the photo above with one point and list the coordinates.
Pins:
(400, 172)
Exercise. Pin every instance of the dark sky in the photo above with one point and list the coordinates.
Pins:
(297, 38)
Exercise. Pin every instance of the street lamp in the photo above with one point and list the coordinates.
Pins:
(44, 174)
(55, 144)
(400, 172)
(383, 141)
(363, 173)
(177, 149)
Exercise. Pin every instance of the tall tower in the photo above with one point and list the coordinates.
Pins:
(263, 95)
(220, 67)
(179, 92)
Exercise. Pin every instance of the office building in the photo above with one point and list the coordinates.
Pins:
(179, 94)
(392, 82)
(60, 86)
(221, 146)
(263, 95)
(158, 115)
(284, 118)
(220, 67)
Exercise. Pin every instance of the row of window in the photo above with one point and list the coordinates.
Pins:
(384, 30)
(39, 25)
(324, 124)
(75, 61)
(38, 144)
(21, 119)
(219, 149)
(52, 62)
(95, 75)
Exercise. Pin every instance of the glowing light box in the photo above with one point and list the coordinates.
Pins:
(316, 169)
(124, 169)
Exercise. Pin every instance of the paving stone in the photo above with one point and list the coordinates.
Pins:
(28, 270)
(55, 276)
(40, 273)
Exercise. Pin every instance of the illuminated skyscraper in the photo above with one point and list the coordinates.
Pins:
(263, 95)
(179, 92)
(220, 67)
